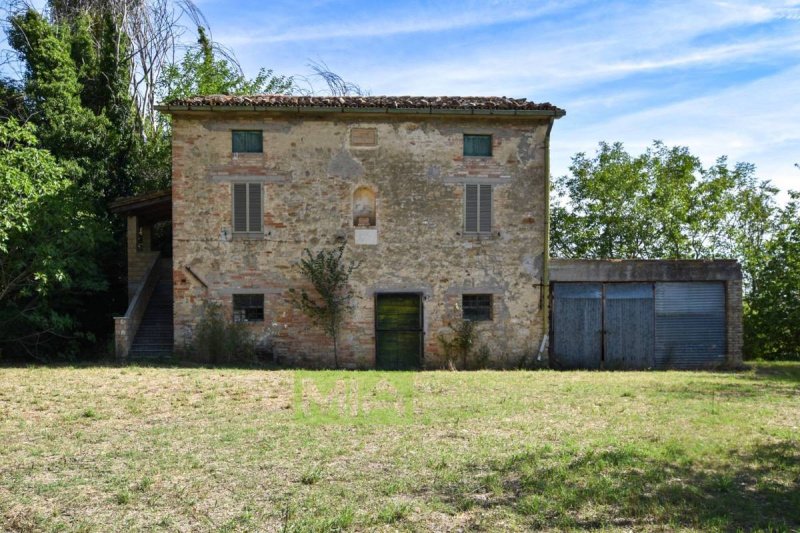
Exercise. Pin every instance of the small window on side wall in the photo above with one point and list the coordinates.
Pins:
(478, 145)
(247, 141)
(476, 307)
(248, 307)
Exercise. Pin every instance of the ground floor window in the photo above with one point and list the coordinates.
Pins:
(476, 307)
(248, 307)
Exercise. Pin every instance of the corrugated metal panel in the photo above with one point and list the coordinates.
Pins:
(577, 325)
(690, 324)
(629, 330)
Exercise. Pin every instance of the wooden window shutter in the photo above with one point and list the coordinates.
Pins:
(477, 208)
(244, 141)
(239, 207)
(254, 217)
(238, 140)
(485, 209)
(254, 143)
(477, 145)
(471, 208)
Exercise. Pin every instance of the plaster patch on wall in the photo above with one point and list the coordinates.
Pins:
(433, 172)
(529, 265)
(526, 149)
(367, 236)
(345, 165)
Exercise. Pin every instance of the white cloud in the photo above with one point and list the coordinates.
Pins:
(393, 24)
(755, 122)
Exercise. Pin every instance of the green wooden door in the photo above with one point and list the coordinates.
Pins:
(398, 331)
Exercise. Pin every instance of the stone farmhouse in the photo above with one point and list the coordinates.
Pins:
(442, 202)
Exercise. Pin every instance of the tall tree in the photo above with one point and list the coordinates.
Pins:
(207, 69)
(71, 132)
(661, 204)
(771, 328)
(48, 235)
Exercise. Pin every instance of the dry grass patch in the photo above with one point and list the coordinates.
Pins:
(176, 449)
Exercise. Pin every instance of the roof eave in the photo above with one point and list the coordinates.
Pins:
(556, 113)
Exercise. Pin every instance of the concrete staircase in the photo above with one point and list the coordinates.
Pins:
(154, 338)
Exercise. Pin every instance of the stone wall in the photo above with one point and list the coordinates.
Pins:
(139, 260)
(733, 311)
(310, 169)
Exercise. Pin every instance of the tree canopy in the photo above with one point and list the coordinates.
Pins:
(206, 70)
(47, 232)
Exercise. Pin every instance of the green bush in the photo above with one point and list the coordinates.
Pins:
(217, 340)
(458, 347)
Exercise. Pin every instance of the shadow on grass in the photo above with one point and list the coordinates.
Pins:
(783, 371)
(624, 487)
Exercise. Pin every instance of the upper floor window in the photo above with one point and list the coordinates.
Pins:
(247, 208)
(478, 145)
(477, 208)
(247, 141)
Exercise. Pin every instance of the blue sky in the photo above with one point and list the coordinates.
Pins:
(720, 77)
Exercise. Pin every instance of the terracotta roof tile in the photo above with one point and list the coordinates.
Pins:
(390, 102)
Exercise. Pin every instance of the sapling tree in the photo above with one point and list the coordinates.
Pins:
(329, 275)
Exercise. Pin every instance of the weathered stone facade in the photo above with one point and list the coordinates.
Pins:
(318, 170)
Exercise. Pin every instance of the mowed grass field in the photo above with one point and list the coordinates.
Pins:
(192, 449)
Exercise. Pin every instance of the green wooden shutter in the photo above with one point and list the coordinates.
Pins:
(239, 207)
(239, 140)
(478, 145)
(254, 143)
(247, 141)
(254, 203)
(471, 208)
(485, 209)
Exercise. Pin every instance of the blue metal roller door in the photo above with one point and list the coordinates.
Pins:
(690, 324)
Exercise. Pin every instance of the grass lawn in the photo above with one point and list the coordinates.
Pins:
(180, 449)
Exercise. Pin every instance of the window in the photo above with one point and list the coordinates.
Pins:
(476, 307)
(477, 208)
(247, 141)
(480, 145)
(248, 307)
(247, 208)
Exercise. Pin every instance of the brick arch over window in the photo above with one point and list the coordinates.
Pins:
(364, 207)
